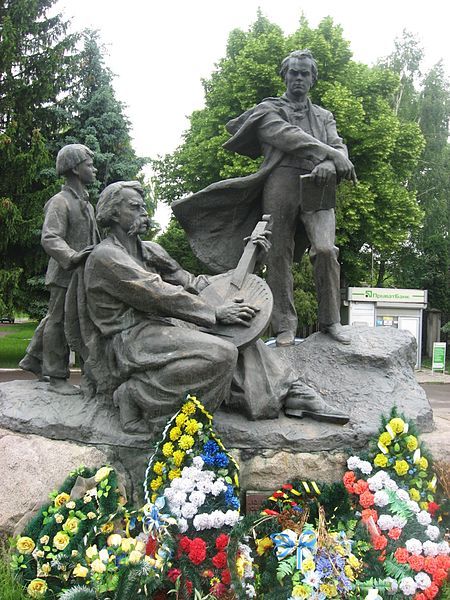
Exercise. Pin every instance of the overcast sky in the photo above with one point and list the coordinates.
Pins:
(161, 49)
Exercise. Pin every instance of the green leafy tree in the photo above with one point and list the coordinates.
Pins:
(375, 217)
(36, 68)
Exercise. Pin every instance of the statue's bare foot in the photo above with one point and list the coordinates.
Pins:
(136, 426)
(303, 401)
(63, 387)
(285, 338)
(337, 332)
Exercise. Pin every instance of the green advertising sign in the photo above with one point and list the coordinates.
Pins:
(438, 363)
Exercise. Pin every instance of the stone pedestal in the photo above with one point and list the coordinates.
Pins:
(366, 379)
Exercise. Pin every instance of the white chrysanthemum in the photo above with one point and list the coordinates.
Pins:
(412, 505)
(353, 462)
(182, 525)
(444, 547)
(218, 487)
(197, 498)
(423, 517)
(385, 522)
(178, 498)
(375, 484)
(198, 462)
(188, 510)
(231, 517)
(414, 546)
(430, 548)
(250, 591)
(365, 467)
(169, 493)
(202, 521)
(175, 509)
(393, 585)
(217, 519)
(204, 486)
(408, 586)
(423, 581)
(390, 484)
(402, 495)
(381, 498)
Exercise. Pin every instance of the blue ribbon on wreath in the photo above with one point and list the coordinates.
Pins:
(287, 542)
(154, 520)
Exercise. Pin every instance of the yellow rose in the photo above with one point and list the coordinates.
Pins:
(156, 483)
(74, 552)
(263, 545)
(128, 544)
(70, 505)
(61, 540)
(188, 408)
(301, 591)
(412, 443)
(191, 426)
(107, 527)
(80, 571)
(114, 539)
(397, 425)
(25, 545)
(185, 442)
(134, 557)
(61, 499)
(423, 463)
(59, 518)
(44, 540)
(308, 565)
(175, 434)
(71, 525)
(401, 467)
(91, 552)
(180, 419)
(91, 515)
(167, 449)
(385, 439)
(178, 457)
(414, 494)
(45, 569)
(140, 546)
(158, 467)
(37, 588)
(423, 505)
(102, 473)
(329, 590)
(98, 566)
(380, 460)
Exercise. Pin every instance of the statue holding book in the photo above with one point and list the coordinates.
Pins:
(304, 157)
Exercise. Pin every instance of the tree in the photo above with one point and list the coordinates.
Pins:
(36, 68)
(375, 217)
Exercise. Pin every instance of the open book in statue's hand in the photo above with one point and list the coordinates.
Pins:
(317, 197)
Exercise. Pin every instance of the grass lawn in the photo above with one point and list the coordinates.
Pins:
(14, 340)
(426, 364)
(10, 589)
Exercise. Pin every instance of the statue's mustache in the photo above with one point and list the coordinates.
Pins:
(138, 223)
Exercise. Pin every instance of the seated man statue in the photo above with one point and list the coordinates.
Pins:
(153, 346)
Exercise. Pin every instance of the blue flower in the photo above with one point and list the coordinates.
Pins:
(210, 447)
(221, 460)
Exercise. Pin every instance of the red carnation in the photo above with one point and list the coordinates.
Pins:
(278, 494)
(431, 564)
(197, 551)
(349, 479)
(395, 533)
(287, 486)
(433, 508)
(379, 542)
(367, 499)
(360, 486)
(432, 591)
(272, 513)
(401, 554)
(367, 513)
(226, 577)
(420, 596)
(442, 562)
(416, 562)
(218, 589)
(222, 541)
(184, 545)
(173, 574)
(439, 576)
(220, 560)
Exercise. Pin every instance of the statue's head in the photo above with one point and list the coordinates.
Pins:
(71, 157)
(296, 59)
(121, 204)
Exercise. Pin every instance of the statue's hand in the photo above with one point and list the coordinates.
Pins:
(344, 167)
(79, 257)
(323, 172)
(261, 240)
(236, 313)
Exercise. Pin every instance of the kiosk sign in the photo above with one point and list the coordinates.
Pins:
(438, 363)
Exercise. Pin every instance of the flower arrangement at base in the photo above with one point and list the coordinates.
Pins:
(82, 538)
(195, 480)
(395, 501)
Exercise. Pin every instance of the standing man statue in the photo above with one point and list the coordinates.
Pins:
(68, 236)
(296, 138)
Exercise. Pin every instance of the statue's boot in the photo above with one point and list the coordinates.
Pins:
(131, 419)
(62, 386)
(337, 332)
(285, 338)
(33, 365)
(303, 401)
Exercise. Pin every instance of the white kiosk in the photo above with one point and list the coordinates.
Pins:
(387, 307)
